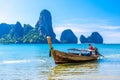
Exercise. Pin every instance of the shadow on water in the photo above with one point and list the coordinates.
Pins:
(72, 70)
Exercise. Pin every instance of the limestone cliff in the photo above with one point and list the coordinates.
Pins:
(68, 36)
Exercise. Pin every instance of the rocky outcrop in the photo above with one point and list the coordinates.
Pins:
(33, 37)
(94, 38)
(44, 25)
(68, 36)
(17, 31)
(11, 33)
(27, 28)
(4, 29)
(83, 39)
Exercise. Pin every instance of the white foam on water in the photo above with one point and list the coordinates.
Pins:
(20, 61)
(113, 56)
(14, 61)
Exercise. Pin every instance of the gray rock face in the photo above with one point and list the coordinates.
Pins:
(68, 36)
(83, 39)
(17, 31)
(44, 24)
(94, 38)
(27, 28)
(5, 29)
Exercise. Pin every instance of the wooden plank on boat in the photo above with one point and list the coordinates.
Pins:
(64, 57)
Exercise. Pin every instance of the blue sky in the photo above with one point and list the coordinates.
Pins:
(82, 16)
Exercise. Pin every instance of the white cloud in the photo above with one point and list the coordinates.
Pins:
(111, 27)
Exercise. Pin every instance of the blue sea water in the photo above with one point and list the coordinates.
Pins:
(32, 62)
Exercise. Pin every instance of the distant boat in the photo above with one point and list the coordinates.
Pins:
(61, 57)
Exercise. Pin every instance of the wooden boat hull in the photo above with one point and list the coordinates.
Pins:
(63, 57)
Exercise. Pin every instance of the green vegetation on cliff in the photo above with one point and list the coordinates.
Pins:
(17, 34)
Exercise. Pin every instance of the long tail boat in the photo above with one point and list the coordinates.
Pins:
(61, 57)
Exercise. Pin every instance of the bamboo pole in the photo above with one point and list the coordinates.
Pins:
(50, 45)
(49, 41)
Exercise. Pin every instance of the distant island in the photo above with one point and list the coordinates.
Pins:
(94, 38)
(26, 34)
(18, 34)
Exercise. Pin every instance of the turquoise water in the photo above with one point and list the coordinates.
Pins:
(32, 62)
